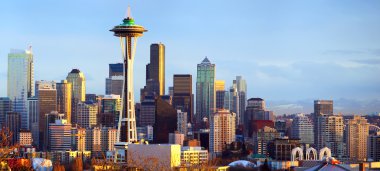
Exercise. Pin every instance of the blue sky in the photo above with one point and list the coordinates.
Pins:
(290, 52)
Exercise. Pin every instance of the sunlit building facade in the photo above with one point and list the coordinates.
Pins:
(357, 135)
(222, 130)
(64, 97)
(20, 82)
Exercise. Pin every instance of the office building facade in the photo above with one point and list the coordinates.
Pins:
(205, 90)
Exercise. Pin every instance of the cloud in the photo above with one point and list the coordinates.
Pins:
(343, 52)
(372, 61)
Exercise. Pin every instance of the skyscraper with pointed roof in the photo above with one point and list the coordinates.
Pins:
(205, 90)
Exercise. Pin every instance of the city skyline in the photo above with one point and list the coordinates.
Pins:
(329, 51)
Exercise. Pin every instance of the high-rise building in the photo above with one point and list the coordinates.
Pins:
(114, 85)
(78, 92)
(205, 90)
(262, 137)
(164, 123)
(373, 147)
(60, 135)
(241, 86)
(222, 130)
(5, 106)
(79, 139)
(182, 122)
(108, 138)
(255, 110)
(20, 82)
(114, 82)
(323, 107)
(330, 134)
(34, 117)
(157, 67)
(46, 93)
(116, 69)
(220, 93)
(303, 129)
(78, 82)
(87, 114)
(183, 94)
(13, 123)
(25, 138)
(147, 112)
(232, 101)
(176, 138)
(357, 135)
(64, 97)
(111, 106)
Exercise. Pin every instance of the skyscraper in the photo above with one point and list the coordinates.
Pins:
(111, 106)
(321, 107)
(114, 82)
(116, 69)
(241, 86)
(20, 82)
(255, 111)
(220, 93)
(87, 114)
(13, 123)
(302, 128)
(60, 135)
(64, 97)
(330, 134)
(47, 102)
(78, 92)
(357, 135)
(157, 67)
(205, 90)
(78, 82)
(165, 121)
(373, 147)
(222, 130)
(147, 112)
(183, 94)
(5, 106)
(34, 117)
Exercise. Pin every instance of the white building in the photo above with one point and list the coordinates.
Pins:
(303, 129)
(191, 156)
(154, 156)
(222, 130)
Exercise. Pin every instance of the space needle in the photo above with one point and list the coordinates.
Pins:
(128, 32)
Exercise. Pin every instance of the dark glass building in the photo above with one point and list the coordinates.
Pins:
(183, 94)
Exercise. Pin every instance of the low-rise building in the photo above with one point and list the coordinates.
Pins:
(154, 156)
(193, 156)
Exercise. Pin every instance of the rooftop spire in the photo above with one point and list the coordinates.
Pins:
(128, 15)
